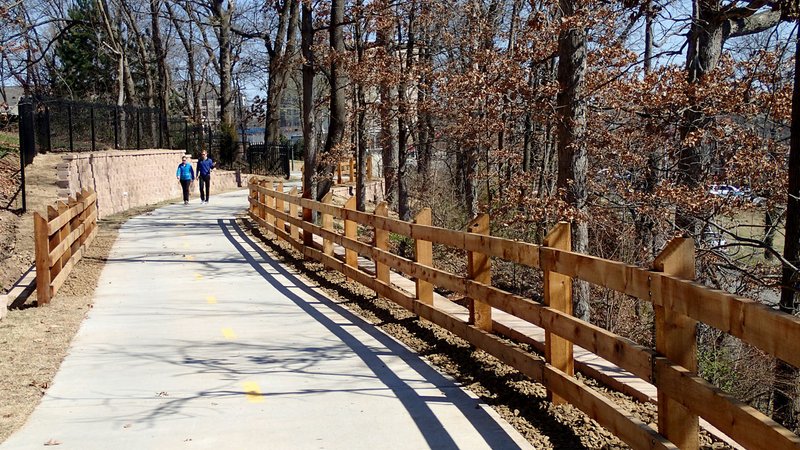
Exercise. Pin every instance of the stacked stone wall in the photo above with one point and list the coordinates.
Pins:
(127, 179)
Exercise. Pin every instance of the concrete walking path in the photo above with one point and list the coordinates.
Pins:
(198, 339)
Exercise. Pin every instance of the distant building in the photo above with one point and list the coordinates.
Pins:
(9, 100)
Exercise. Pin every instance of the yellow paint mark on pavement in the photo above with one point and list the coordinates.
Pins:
(190, 257)
(211, 300)
(185, 245)
(228, 333)
(197, 276)
(253, 392)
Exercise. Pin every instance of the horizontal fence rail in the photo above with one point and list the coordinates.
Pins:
(61, 240)
(679, 304)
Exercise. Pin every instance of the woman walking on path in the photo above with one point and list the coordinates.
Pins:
(185, 175)
(204, 167)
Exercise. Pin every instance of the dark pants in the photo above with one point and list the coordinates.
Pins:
(205, 186)
(185, 186)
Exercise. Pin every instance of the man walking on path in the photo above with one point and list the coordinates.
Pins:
(204, 167)
(185, 175)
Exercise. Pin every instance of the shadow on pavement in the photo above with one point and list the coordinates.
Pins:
(418, 406)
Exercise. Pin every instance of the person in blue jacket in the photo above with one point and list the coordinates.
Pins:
(185, 175)
(204, 167)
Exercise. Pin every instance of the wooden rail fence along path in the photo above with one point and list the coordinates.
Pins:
(349, 166)
(61, 240)
(679, 303)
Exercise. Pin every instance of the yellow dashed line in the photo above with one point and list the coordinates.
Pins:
(211, 300)
(253, 392)
(197, 276)
(228, 333)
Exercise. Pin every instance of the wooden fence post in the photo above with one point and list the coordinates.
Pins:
(83, 197)
(54, 240)
(676, 339)
(558, 295)
(252, 195)
(261, 200)
(42, 248)
(327, 223)
(76, 221)
(479, 269)
(369, 167)
(350, 232)
(338, 172)
(269, 200)
(279, 206)
(293, 230)
(352, 170)
(382, 242)
(423, 254)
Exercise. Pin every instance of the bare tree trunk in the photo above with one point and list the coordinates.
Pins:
(771, 221)
(338, 103)
(222, 17)
(572, 158)
(163, 72)
(280, 56)
(711, 26)
(188, 47)
(360, 128)
(648, 37)
(403, 131)
(425, 131)
(388, 148)
(785, 388)
(309, 149)
(361, 146)
(470, 182)
(146, 58)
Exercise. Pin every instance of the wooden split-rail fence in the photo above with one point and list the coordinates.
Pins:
(679, 304)
(349, 166)
(61, 240)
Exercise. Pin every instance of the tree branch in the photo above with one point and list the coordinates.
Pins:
(746, 25)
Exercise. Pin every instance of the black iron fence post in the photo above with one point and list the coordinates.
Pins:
(91, 115)
(138, 130)
(116, 127)
(284, 152)
(46, 126)
(69, 122)
(27, 143)
(186, 135)
(160, 129)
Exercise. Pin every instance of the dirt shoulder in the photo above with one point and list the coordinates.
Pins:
(16, 230)
(34, 340)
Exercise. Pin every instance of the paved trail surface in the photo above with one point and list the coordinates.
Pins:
(199, 340)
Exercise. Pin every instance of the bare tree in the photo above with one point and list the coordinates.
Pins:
(572, 158)
(338, 103)
(785, 389)
(222, 17)
(280, 63)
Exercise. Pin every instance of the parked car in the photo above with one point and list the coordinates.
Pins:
(725, 190)
(714, 239)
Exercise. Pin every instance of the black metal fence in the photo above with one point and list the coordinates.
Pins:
(72, 126)
(57, 125)
(268, 159)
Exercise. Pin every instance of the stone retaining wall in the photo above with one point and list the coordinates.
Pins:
(126, 179)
